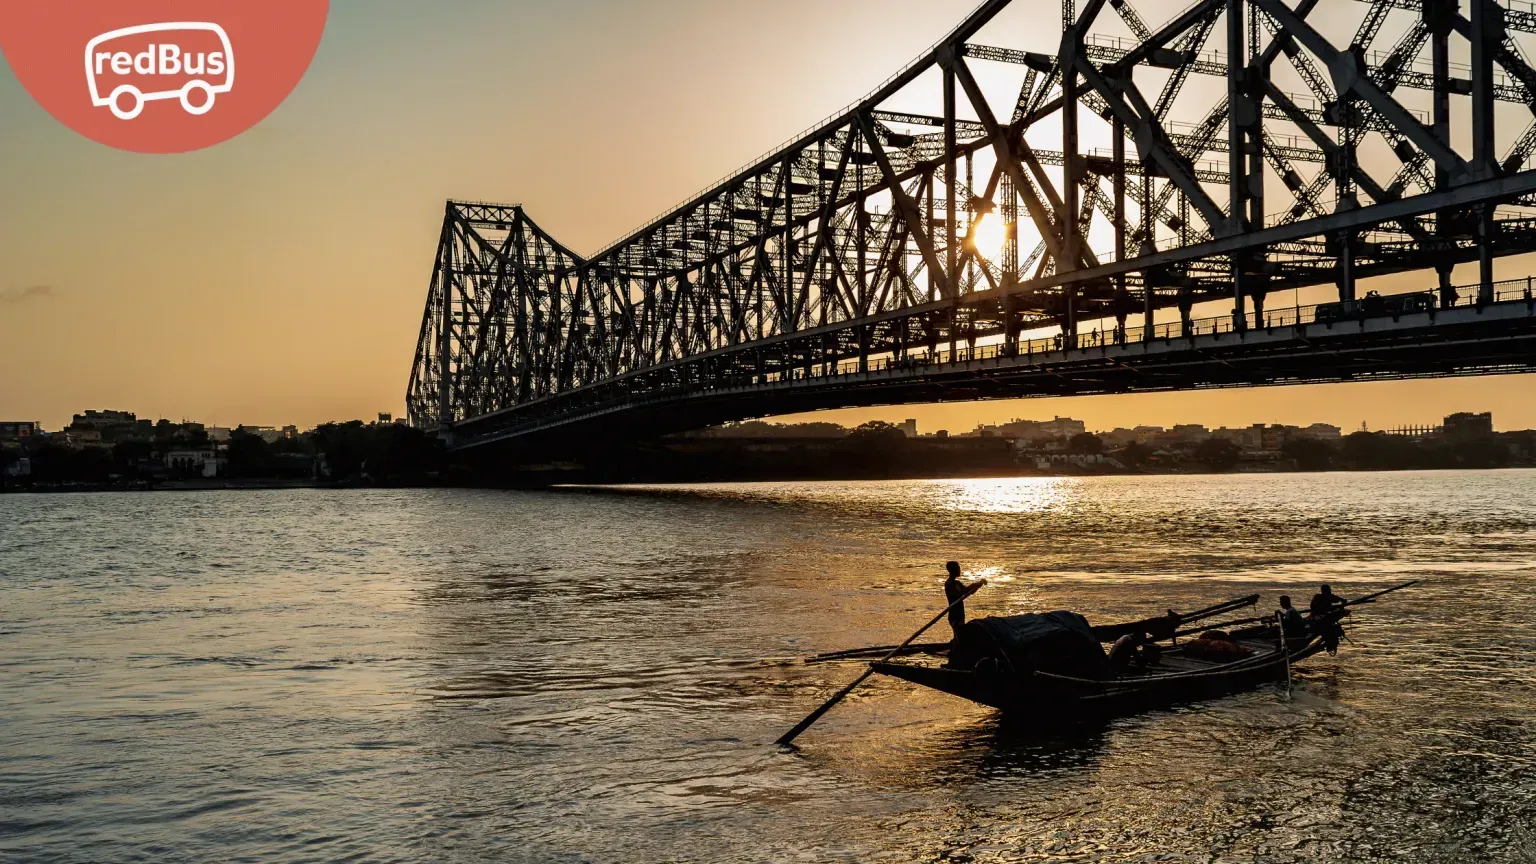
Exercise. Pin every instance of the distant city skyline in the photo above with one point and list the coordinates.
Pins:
(1291, 406)
(1380, 405)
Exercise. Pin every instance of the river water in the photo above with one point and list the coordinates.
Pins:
(596, 675)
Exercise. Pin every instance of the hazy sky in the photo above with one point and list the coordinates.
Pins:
(279, 277)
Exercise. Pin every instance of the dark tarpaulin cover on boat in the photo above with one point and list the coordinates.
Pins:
(1057, 642)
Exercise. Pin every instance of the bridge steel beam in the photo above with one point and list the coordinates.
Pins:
(865, 240)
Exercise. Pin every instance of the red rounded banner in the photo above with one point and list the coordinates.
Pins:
(160, 76)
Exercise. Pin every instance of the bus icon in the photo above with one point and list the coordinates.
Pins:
(136, 65)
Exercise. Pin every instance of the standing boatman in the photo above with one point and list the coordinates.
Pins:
(954, 593)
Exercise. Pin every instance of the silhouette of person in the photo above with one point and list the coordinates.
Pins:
(1325, 601)
(1295, 626)
(954, 591)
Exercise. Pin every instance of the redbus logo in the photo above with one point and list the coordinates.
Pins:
(180, 54)
(197, 77)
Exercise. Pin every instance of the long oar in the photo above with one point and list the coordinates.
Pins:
(838, 697)
(1227, 606)
(877, 650)
(1111, 632)
(1285, 648)
(1369, 597)
(1220, 625)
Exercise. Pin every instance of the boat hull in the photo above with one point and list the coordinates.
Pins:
(1049, 700)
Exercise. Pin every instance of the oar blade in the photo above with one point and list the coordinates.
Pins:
(785, 739)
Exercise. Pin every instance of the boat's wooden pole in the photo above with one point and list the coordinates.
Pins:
(805, 724)
(1148, 625)
(1221, 625)
(1240, 602)
(1370, 597)
(1285, 648)
(877, 650)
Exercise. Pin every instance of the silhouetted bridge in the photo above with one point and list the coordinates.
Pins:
(890, 257)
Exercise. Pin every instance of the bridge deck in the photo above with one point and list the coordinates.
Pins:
(1497, 338)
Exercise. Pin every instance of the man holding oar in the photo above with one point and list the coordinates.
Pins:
(954, 593)
(955, 603)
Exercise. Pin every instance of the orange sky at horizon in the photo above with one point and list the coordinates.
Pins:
(278, 278)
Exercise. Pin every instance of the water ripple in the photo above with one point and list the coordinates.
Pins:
(593, 674)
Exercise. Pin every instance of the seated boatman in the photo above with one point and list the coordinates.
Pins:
(1295, 626)
(1325, 601)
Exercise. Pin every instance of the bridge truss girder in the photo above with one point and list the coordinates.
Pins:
(859, 239)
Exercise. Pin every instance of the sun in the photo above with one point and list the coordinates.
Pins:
(989, 234)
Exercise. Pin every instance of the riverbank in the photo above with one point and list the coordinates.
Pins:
(209, 485)
(889, 455)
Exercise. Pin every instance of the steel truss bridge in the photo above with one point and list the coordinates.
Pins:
(998, 222)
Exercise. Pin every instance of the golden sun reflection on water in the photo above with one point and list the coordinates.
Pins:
(1009, 494)
(991, 574)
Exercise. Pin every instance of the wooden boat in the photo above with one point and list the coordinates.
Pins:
(1064, 677)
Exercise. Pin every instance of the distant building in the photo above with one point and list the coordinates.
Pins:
(1118, 437)
(1050, 461)
(204, 461)
(1272, 438)
(219, 433)
(1322, 432)
(909, 428)
(385, 418)
(104, 428)
(19, 430)
(292, 432)
(269, 434)
(1186, 433)
(1250, 438)
(1063, 427)
(103, 419)
(1417, 433)
(1029, 430)
(1465, 425)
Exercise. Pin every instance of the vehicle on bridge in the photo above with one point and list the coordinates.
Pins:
(1375, 305)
